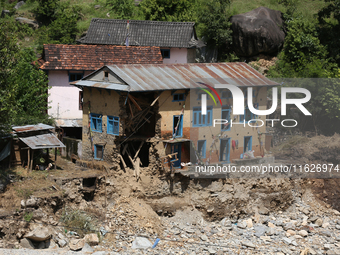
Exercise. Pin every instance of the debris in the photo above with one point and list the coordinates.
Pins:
(141, 243)
(155, 243)
(39, 234)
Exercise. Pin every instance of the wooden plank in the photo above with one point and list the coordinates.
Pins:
(130, 108)
(134, 102)
(123, 162)
(148, 121)
(124, 149)
(137, 170)
(140, 146)
(31, 165)
(154, 101)
(55, 158)
(28, 159)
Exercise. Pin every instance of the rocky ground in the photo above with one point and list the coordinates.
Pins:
(83, 211)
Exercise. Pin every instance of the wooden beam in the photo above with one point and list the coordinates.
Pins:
(31, 165)
(130, 108)
(154, 101)
(134, 102)
(122, 160)
(137, 170)
(28, 159)
(136, 154)
(55, 158)
(124, 149)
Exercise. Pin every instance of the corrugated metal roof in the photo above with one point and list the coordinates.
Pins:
(150, 77)
(29, 128)
(43, 141)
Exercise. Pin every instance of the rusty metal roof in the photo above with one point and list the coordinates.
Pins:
(151, 77)
(44, 141)
(29, 128)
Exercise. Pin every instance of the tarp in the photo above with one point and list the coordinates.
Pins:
(6, 151)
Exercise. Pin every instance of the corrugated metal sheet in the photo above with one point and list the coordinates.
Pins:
(43, 141)
(28, 128)
(151, 77)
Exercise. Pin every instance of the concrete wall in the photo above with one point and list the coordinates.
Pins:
(105, 103)
(63, 97)
(168, 108)
(177, 56)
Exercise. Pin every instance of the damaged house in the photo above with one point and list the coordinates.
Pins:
(135, 114)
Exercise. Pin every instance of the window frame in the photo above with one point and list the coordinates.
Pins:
(229, 119)
(207, 122)
(95, 152)
(202, 154)
(178, 100)
(113, 119)
(165, 50)
(74, 73)
(180, 126)
(95, 116)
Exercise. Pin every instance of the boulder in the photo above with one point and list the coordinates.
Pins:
(76, 244)
(141, 243)
(39, 234)
(4, 13)
(29, 22)
(92, 239)
(19, 4)
(26, 243)
(257, 31)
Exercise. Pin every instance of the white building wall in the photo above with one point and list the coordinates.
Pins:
(177, 56)
(63, 98)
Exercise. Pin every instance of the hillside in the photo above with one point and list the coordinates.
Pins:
(86, 10)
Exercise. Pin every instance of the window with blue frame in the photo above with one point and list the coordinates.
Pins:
(201, 148)
(178, 126)
(113, 125)
(225, 116)
(247, 116)
(96, 122)
(165, 53)
(178, 97)
(200, 120)
(98, 152)
(75, 76)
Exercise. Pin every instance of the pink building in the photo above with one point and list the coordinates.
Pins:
(177, 40)
(67, 63)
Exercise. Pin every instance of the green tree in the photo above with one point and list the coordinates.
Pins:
(45, 11)
(329, 28)
(214, 24)
(23, 88)
(64, 28)
(122, 9)
(8, 60)
(169, 10)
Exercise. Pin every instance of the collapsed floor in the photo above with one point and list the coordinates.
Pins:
(157, 205)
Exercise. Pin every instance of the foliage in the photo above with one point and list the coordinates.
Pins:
(64, 28)
(169, 10)
(28, 216)
(23, 88)
(78, 221)
(45, 11)
(214, 24)
(329, 18)
(122, 9)
(303, 55)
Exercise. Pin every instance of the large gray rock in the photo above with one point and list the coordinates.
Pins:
(141, 243)
(26, 243)
(76, 244)
(257, 31)
(29, 22)
(19, 4)
(39, 234)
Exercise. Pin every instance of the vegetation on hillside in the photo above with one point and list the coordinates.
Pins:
(311, 47)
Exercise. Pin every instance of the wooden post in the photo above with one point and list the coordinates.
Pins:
(31, 165)
(55, 158)
(28, 159)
